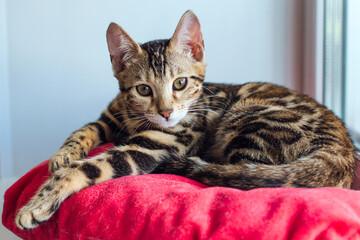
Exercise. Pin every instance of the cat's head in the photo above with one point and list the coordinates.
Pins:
(160, 79)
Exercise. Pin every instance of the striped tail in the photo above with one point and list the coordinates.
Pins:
(308, 173)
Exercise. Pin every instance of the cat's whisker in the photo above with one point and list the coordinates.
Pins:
(118, 101)
(204, 115)
(221, 109)
(205, 109)
(211, 96)
(122, 112)
(194, 112)
(214, 102)
(148, 125)
(142, 123)
(125, 123)
(123, 127)
(134, 118)
(133, 123)
(206, 88)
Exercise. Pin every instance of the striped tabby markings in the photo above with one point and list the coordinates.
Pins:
(116, 111)
(304, 109)
(122, 162)
(146, 162)
(245, 115)
(197, 78)
(105, 129)
(242, 142)
(180, 133)
(107, 118)
(98, 129)
(208, 112)
(247, 89)
(281, 116)
(286, 135)
(238, 157)
(156, 56)
(158, 140)
(188, 135)
(271, 94)
(156, 153)
(130, 122)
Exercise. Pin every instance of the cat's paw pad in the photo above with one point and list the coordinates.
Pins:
(59, 160)
(28, 218)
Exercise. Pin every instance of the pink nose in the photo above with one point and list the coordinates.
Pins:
(166, 113)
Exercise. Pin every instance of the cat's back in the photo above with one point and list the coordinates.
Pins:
(275, 125)
(281, 107)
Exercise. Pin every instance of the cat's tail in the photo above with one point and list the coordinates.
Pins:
(308, 172)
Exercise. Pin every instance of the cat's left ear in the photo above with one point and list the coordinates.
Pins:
(188, 37)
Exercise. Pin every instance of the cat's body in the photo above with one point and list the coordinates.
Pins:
(165, 120)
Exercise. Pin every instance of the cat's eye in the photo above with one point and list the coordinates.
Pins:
(180, 84)
(144, 90)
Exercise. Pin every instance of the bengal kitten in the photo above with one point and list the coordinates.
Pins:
(166, 120)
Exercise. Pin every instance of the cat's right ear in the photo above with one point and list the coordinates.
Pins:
(121, 47)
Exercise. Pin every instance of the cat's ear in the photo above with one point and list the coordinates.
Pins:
(121, 46)
(188, 37)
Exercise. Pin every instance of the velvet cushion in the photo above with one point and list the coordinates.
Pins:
(174, 207)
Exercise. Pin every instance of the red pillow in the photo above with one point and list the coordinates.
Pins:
(174, 207)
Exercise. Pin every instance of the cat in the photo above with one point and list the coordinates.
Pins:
(165, 119)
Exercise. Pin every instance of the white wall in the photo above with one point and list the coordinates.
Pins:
(5, 123)
(59, 68)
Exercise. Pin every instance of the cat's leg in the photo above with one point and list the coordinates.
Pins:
(80, 142)
(121, 161)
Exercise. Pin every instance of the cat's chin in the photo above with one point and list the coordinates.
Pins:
(168, 124)
(165, 124)
(172, 122)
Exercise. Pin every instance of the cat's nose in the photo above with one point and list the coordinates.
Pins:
(165, 113)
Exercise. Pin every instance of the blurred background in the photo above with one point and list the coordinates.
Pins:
(55, 72)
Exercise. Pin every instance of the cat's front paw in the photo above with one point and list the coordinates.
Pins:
(59, 160)
(24, 220)
(30, 217)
